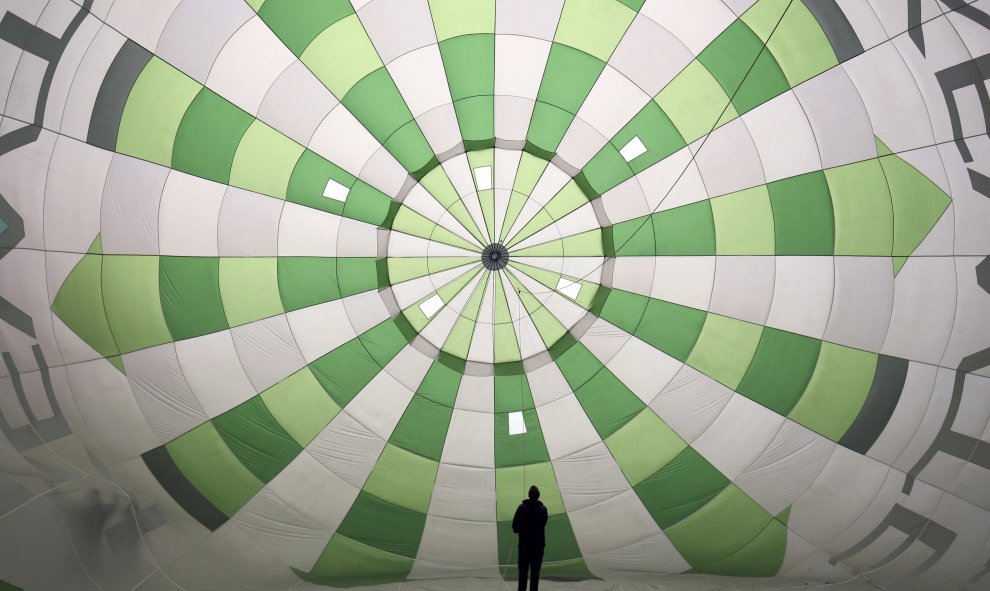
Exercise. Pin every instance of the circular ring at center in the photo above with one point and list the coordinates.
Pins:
(495, 257)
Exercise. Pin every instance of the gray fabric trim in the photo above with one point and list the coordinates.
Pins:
(888, 383)
(109, 108)
(845, 42)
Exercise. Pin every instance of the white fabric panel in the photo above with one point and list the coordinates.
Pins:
(682, 280)
(380, 404)
(409, 292)
(923, 310)
(786, 468)
(350, 155)
(424, 203)
(131, 198)
(29, 73)
(673, 181)
(738, 436)
(552, 181)
(439, 126)
(844, 489)
(588, 477)
(606, 531)
(802, 560)
(249, 64)
(141, 20)
(512, 117)
(634, 274)
(407, 245)
(691, 402)
(549, 385)
(476, 394)
(695, 25)
(320, 495)
(365, 310)
(506, 168)
(248, 224)
(397, 27)
(729, 160)
(560, 306)
(267, 350)
(628, 364)
(296, 103)
(161, 390)
(189, 216)
(454, 547)
(86, 81)
(743, 287)
(65, 74)
(784, 139)
(282, 530)
(464, 492)
(483, 340)
(864, 18)
(802, 295)
(862, 302)
(527, 19)
(320, 329)
(604, 339)
(972, 323)
(519, 64)
(70, 348)
(649, 55)
(356, 239)
(440, 325)
(470, 439)
(303, 231)
(526, 334)
(214, 372)
(420, 78)
(580, 220)
(409, 367)
(73, 194)
(613, 101)
(842, 127)
(105, 403)
(196, 32)
(347, 448)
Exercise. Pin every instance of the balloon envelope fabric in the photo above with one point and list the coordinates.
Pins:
(298, 294)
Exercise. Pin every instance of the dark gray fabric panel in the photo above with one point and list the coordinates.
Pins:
(845, 42)
(888, 383)
(181, 490)
(116, 87)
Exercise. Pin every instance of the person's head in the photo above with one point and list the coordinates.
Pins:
(534, 493)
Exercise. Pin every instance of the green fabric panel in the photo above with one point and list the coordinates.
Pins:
(208, 137)
(376, 103)
(153, 112)
(382, 525)
(210, 466)
(671, 328)
(781, 369)
(298, 22)
(918, 203)
(802, 215)
(462, 17)
(403, 478)
(341, 55)
(409, 146)
(79, 304)
(744, 223)
(634, 237)
(423, 426)
(625, 309)
(695, 102)
(309, 180)
(746, 71)
(190, 294)
(725, 349)
(680, 488)
(249, 289)
(347, 369)
(469, 63)
(607, 401)
(864, 216)
(703, 538)
(5, 586)
(512, 393)
(762, 557)
(512, 486)
(593, 26)
(264, 161)
(837, 390)
(644, 445)
(347, 563)
(797, 42)
(685, 230)
(301, 405)
(578, 365)
(567, 80)
(132, 301)
(657, 133)
(522, 448)
(257, 439)
(561, 543)
(307, 281)
(367, 204)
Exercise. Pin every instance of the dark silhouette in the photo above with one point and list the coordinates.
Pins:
(529, 521)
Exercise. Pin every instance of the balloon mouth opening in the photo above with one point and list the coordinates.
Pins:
(495, 257)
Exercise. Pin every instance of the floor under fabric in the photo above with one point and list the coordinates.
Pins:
(654, 583)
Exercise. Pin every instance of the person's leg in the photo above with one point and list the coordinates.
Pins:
(523, 568)
(535, 562)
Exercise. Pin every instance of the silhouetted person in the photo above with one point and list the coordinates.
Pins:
(529, 521)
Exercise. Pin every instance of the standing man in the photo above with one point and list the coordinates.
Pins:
(529, 521)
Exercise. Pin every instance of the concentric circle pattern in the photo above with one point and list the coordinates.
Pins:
(308, 293)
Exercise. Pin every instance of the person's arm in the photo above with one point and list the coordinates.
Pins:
(515, 520)
(544, 516)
